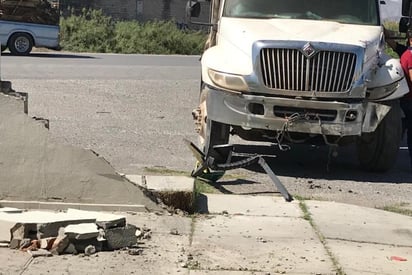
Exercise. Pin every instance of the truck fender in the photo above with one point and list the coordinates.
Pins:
(33, 37)
(387, 81)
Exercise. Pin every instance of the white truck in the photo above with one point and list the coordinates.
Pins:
(295, 71)
(24, 24)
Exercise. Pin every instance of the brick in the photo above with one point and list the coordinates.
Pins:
(47, 243)
(59, 245)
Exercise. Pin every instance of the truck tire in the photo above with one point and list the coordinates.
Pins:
(377, 151)
(3, 48)
(20, 44)
(212, 132)
(216, 134)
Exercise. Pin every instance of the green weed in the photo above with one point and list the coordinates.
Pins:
(92, 31)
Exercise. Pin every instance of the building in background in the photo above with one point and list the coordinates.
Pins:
(141, 10)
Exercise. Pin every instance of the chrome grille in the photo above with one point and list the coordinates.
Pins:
(290, 69)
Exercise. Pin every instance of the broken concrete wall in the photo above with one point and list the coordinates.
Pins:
(33, 168)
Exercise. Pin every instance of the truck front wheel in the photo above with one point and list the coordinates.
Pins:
(377, 151)
(211, 132)
(20, 44)
(216, 133)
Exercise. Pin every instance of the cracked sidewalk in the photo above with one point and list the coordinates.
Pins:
(249, 235)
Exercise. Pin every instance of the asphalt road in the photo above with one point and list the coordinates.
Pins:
(135, 110)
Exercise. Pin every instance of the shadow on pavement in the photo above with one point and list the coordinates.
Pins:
(316, 162)
(53, 55)
(201, 205)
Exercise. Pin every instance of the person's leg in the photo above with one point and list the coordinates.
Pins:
(406, 105)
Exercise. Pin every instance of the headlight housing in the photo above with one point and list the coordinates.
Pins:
(381, 92)
(228, 81)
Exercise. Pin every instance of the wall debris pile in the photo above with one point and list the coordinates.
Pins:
(41, 233)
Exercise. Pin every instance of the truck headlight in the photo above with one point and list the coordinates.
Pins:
(228, 81)
(381, 92)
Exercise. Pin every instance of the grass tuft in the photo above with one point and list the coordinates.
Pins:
(157, 170)
(399, 209)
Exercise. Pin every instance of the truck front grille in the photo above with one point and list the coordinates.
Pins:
(290, 69)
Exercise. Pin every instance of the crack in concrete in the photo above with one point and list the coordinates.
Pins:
(26, 265)
(307, 216)
(366, 242)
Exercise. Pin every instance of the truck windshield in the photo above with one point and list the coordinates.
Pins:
(344, 11)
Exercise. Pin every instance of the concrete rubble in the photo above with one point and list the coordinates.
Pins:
(45, 233)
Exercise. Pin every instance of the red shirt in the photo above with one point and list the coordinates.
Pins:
(406, 63)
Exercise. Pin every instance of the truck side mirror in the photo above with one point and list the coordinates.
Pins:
(193, 8)
(404, 24)
(406, 4)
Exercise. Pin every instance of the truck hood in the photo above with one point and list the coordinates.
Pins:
(236, 37)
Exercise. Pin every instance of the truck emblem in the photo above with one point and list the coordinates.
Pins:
(308, 50)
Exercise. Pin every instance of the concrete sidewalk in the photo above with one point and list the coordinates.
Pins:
(249, 235)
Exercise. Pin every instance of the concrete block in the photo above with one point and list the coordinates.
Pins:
(10, 210)
(103, 220)
(82, 231)
(21, 231)
(169, 183)
(70, 249)
(82, 206)
(5, 235)
(121, 237)
(15, 244)
(41, 224)
(39, 253)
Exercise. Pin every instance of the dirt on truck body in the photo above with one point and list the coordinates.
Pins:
(310, 72)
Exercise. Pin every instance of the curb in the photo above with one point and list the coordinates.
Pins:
(66, 205)
(175, 191)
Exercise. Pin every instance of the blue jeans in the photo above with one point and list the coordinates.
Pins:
(406, 105)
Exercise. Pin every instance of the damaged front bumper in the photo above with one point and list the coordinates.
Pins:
(313, 116)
